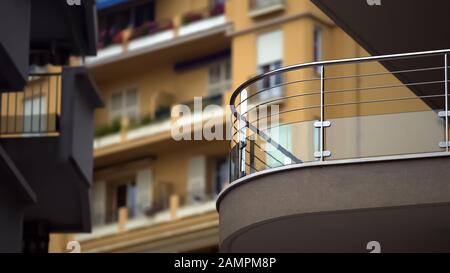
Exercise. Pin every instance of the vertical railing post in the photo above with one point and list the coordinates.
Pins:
(322, 111)
(446, 102)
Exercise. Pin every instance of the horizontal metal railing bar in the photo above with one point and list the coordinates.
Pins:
(267, 165)
(261, 149)
(342, 104)
(384, 73)
(252, 167)
(260, 132)
(280, 99)
(280, 113)
(281, 125)
(381, 87)
(45, 74)
(341, 77)
(338, 91)
(341, 91)
(29, 112)
(329, 63)
(276, 86)
(384, 100)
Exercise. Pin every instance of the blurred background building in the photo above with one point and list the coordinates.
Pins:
(150, 192)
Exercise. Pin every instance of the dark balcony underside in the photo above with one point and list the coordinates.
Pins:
(407, 26)
(340, 207)
(398, 229)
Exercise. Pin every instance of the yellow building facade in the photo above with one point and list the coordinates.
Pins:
(152, 193)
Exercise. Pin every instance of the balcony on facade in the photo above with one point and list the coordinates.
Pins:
(34, 111)
(263, 7)
(142, 32)
(126, 129)
(134, 200)
(353, 151)
(143, 112)
(47, 130)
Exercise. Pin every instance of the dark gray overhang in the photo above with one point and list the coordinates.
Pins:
(394, 27)
(14, 43)
(59, 30)
(14, 180)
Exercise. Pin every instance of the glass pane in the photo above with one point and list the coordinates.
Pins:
(214, 74)
(228, 70)
(131, 100)
(379, 115)
(116, 102)
(35, 110)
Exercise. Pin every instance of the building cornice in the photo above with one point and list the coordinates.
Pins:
(279, 20)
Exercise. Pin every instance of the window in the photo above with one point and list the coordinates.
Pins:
(143, 13)
(264, 7)
(35, 115)
(269, 57)
(219, 77)
(317, 47)
(222, 175)
(217, 2)
(196, 179)
(112, 21)
(270, 84)
(124, 104)
(125, 196)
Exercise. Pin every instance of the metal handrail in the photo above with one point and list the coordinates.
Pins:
(326, 63)
(246, 124)
(33, 111)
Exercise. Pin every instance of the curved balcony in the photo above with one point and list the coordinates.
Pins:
(328, 156)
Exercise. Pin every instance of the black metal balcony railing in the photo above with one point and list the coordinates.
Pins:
(342, 110)
(34, 111)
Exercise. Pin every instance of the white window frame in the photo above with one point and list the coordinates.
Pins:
(270, 52)
(36, 114)
(317, 46)
(275, 83)
(224, 83)
(124, 110)
(131, 199)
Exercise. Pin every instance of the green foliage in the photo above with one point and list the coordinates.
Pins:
(108, 129)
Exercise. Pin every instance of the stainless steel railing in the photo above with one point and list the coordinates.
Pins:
(341, 109)
(34, 111)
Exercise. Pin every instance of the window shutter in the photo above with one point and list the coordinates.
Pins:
(144, 182)
(98, 202)
(196, 179)
(270, 47)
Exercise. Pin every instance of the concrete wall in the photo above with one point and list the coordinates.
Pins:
(14, 50)
(11, 221)
(332, 189)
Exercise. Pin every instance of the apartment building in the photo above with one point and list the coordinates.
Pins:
(358, 160)
(153, 193)
(45, 161)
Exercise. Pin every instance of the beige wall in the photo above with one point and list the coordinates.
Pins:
(180, 86)
(167, 9)
(238, 12)
(154, 75)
